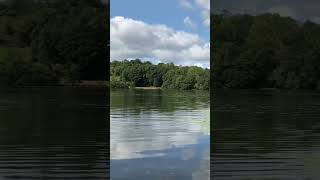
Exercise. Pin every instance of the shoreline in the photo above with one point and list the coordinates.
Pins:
(83, 83)
(91, 83)
(147, 88)
(155, 88)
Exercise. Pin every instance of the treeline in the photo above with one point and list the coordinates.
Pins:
(53, 41)
(264, 51)
(126, 74)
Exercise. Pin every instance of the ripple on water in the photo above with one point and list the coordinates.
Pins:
(54, 133)
(159, 135)
(266, 135)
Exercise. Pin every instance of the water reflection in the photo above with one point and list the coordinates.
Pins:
(53, 133)
(266, 135)
(159, 135)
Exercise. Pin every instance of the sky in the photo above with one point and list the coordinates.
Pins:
(301, 10)
(161, 31)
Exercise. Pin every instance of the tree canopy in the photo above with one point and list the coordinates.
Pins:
(53, 41)
(264, 51)
(136, 73)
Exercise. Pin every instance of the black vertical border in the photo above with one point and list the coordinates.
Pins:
(108, 89)
(211, 96)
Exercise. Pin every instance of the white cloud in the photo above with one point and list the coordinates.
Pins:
(199, 65)
(136, 39)
(206, 18)
(186, 4)
(204, 6)
(188, 22)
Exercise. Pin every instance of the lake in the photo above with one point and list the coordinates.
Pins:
(272, 135)
(159, 135)
(53, 133)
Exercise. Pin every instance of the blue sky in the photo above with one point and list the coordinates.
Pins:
(164, 30)
(168, 12)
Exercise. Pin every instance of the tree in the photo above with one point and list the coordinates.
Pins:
(168, 76)
(266, 50)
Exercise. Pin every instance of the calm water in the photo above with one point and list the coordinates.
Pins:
(266, 135)
(53, 133)
(159, 135)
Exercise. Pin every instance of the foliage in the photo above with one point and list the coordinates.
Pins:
(264, 51)
(66, 41)
(141, 74)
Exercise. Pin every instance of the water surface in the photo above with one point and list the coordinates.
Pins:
(159, 134)
(53, 133)
(265, 135)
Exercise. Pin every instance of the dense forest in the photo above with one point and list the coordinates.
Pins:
(53, 41)
(125, 74)
(264, 51)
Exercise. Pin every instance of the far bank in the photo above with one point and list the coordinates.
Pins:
(145, 75)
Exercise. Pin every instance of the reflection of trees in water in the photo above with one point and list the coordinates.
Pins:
(155, 120)
(158, 129)
(265, 131)
(56, 127)
(264, 121)
(43, 161)
(204, 124)
(312, 164)
(160, 100)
